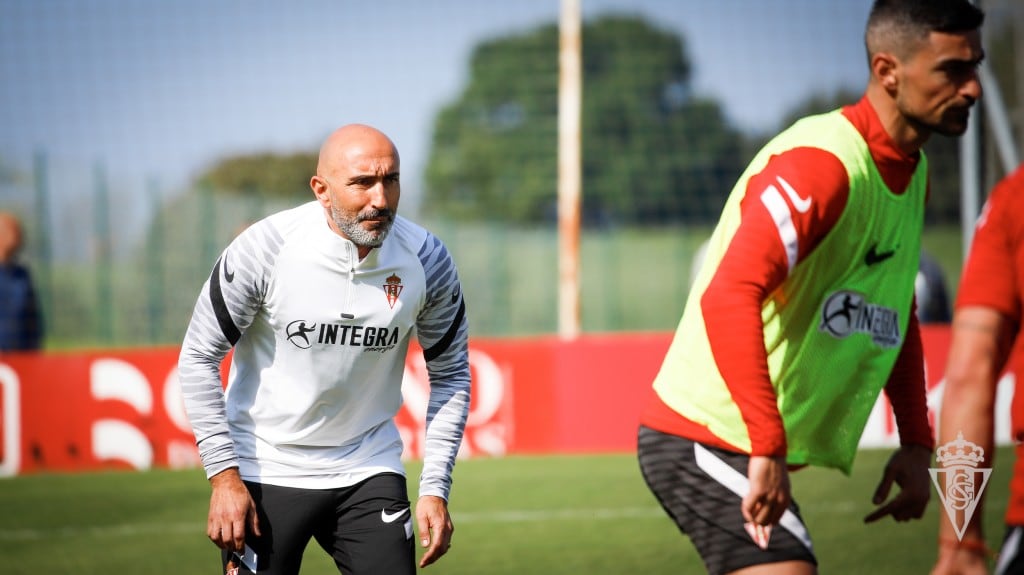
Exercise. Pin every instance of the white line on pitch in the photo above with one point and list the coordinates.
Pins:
(520, 516)
(510, 516)
(128, 529)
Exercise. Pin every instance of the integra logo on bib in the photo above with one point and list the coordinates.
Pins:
(846, 312)
(370, 338)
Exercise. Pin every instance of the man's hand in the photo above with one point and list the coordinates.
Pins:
(435, 528)
(769, 495)
(908, 468)
(232, 511)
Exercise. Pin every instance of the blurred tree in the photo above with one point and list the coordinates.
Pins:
(263, 174)
(652, 151)
(819, 104)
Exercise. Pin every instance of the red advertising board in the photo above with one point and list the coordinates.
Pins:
(122, 408)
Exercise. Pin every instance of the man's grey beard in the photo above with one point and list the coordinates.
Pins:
(360, 236)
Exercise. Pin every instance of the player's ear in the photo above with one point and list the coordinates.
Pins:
(884, 67)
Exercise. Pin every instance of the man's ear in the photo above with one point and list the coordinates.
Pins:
(319, 187)
(884, 67)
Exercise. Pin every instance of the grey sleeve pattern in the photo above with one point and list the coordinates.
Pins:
(227, 305)
(444, 334)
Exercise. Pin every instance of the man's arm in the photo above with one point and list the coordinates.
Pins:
(443, 332)
(226, 306)
(982, 339)
(774, 235)
(985, 323)
(906, 389)
(789, 207)
(908, 466)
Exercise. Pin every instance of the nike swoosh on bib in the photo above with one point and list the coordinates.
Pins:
(391, 517)
(874, 256)
(801, 204)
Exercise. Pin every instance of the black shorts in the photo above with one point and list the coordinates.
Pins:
(702, 488)
(1011, 560)
(366, 528)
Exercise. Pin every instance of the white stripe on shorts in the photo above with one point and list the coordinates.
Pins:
(736, 482)
(1009, 550)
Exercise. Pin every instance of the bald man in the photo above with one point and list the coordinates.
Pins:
(21, 325)
(319, 303)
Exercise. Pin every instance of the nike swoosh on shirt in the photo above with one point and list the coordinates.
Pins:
(801, 204)
(391, 517)
(230, 276)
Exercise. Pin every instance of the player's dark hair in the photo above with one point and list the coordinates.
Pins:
(893, 22)
(931, 15)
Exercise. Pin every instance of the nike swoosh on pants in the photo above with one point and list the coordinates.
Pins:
(391, 517)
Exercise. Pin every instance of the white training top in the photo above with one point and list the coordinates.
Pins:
(320, 341)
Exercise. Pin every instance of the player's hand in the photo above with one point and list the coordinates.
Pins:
(908, 468)
(435, 528)
(232, 511)
(769, 494)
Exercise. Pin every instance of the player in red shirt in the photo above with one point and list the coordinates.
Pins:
(986, 328)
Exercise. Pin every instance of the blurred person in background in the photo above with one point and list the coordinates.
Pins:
(21, 323)
(319, 303)
(803, 310)
(986, 327)
(930, 291)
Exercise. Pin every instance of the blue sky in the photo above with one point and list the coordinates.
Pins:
(161, 89)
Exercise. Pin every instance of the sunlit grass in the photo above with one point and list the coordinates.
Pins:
(513, 515)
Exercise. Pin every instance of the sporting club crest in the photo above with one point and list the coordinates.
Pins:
(392, 288)
(960, 482)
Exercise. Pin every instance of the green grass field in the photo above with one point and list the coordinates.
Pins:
(550, 515)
